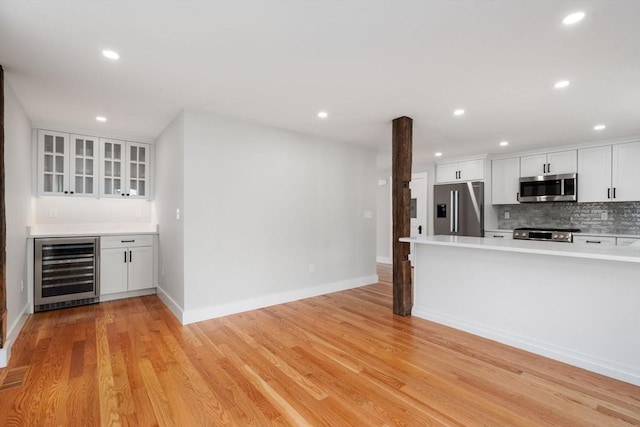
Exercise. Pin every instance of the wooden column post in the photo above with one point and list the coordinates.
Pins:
(3, 229)
(401, 203)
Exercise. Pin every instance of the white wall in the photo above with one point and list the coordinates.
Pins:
(169, 179)
(261, 205)
(17, 152)
(89, 210)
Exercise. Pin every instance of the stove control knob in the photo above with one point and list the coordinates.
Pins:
(562, 236)
(555, 236)
(517, 234)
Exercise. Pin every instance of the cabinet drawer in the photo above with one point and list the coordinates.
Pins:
(126, 241)
(627, 241)
(594, 240)
(498, 235)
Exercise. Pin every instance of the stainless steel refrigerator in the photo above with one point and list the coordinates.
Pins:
(459, 209)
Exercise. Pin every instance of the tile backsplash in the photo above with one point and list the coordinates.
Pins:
(621, 217)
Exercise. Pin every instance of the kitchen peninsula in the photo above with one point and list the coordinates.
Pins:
(579, 305)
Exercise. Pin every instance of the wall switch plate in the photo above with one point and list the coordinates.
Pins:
(368, 214)
(604, 216)
(312, 268)
(178, 213)
(507, 215)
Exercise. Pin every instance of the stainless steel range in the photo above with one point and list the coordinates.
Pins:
(550, 234)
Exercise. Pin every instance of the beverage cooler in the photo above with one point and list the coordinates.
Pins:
(66, 272)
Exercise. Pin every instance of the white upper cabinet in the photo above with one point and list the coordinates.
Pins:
(625, 170)
(66, 164)
(505, 174)
(469, 170)
(559, 162)
(125, 169)
(610, 173)
(594, 174)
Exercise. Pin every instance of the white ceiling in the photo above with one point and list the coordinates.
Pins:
(365, 62)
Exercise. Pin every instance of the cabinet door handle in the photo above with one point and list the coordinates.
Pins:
(127, 241)
(544, 168)
(594, 241)
(608, 193)
(499, 237)
(614, 192)
(548, 167)
(130, 256)
(125, 257)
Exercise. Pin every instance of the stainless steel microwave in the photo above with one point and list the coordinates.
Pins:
(549, 188)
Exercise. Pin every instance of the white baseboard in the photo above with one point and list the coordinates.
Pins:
(171, 304)
(610, 369)
(12, 335)
(384, 260)
(197, 315)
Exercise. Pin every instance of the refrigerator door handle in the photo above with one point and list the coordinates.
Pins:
(457, 197)
(452, 213)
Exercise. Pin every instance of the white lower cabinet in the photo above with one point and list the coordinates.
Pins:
(505, 235)
(126, 263)
(628, 241)
(594, 240)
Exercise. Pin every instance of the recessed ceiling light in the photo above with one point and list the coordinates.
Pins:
(599, 127)
(438, 154)
(562, 84)
(101, 119)
(458, 112)
(504, 143)
(573, 18)
(323, 114)
(110, 54)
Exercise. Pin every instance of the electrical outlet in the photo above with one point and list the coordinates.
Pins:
(368, 214)
(178, 213)
(604, 216)
(507, 215)
(21, 285)
(312, 268)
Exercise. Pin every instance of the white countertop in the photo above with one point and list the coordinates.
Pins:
(610, 253)
(65, 230)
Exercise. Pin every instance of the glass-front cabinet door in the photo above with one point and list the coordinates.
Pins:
(53, 163)
(137, 170)
(112, 167)
(83, 165)
(125, 169)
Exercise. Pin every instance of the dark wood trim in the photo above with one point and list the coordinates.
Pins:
(401, 216)
(3, 226)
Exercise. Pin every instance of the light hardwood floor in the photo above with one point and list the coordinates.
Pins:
(338, 359)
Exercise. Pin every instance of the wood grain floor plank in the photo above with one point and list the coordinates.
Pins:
(341, 359)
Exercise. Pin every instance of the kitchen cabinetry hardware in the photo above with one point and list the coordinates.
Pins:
(127, 241)
(594, 241)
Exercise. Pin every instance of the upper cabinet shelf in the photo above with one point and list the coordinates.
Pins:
(77, 165)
